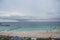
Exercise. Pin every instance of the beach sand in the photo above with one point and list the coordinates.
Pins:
(36, 34)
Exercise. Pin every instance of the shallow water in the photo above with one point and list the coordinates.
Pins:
(30, 26)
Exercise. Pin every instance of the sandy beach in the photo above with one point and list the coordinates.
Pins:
(37, 34)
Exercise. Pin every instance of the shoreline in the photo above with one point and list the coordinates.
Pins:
(37, 34)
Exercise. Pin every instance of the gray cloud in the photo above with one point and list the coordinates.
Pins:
(30, 9)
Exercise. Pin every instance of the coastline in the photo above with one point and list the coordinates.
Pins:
(36, 34)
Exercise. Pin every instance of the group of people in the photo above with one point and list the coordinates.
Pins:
(23, 38)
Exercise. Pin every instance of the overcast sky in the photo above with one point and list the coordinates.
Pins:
(30, 9)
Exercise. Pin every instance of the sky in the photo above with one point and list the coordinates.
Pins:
(29, 10)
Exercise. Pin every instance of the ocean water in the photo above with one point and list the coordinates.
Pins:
(29, 26)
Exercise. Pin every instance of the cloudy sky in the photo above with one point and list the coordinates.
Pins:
(29, 10)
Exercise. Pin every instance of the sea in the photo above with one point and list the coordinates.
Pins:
(29, 26)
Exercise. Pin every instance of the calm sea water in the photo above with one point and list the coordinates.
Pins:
(29, 26)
